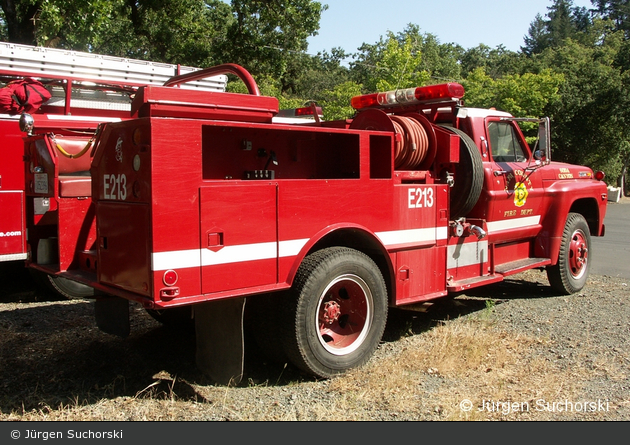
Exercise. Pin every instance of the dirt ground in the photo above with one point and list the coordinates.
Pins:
(510, 351)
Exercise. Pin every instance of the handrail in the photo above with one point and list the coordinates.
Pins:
(225, 68)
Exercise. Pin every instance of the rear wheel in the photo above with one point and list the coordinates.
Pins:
(569, 275)
(69, 289)
(337, 313)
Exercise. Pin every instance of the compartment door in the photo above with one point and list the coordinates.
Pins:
(239, 241)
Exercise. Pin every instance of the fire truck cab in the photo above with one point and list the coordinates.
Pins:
(203, 202)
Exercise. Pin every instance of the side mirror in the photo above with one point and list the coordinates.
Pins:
(543, 154)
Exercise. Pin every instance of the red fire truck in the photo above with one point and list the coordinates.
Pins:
(87, 89)
(201, 203)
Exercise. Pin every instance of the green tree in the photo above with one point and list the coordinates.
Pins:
(616, 10)
(262, 35)
(393, 62)
(336, 102)
(563, 21)
(318, 74)
(496, 62)
(265, 36)
(525, 95)
(590, 118)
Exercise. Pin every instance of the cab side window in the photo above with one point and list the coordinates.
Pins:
(505, 143)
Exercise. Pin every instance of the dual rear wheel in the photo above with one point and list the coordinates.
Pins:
(334, 317)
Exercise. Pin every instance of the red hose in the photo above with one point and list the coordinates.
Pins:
(413, 144)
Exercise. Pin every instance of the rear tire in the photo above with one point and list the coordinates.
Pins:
(569, 275)
(70, 289)
(64, 287)
(337, 314)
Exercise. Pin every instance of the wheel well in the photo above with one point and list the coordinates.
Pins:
(364, 242)
(587, 207)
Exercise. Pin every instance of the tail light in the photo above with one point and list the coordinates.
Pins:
(600, 175)
(170, 278)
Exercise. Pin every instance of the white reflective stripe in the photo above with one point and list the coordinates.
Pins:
(179, 259)
(176, 259)
(292, 247)
(239, 254)
(412, 236)
(518, 223)
(13, 257)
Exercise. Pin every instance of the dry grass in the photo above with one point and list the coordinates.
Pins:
(425, 376)
(469, 360)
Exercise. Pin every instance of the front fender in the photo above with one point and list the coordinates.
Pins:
(586, 197)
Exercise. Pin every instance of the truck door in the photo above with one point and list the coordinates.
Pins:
(516, 186)
(239, 243)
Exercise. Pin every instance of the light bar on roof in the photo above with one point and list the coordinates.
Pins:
(409, 96)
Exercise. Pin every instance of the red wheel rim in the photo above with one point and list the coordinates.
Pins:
(578, 254)
(344, 314)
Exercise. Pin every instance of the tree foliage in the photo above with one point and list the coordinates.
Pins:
(564, 21)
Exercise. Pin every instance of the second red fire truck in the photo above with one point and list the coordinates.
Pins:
(201, 204)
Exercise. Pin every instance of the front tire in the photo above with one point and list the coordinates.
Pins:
(337, 312)
(569, 275)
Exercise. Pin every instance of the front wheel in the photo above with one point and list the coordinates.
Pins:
(569, 275)
(337, 312)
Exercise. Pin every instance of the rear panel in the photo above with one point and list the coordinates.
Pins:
(12, 223)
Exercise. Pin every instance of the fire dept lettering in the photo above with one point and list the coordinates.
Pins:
(115, 187)
(420, 198)
(565, 173)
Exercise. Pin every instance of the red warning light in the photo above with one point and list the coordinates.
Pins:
(409, 96)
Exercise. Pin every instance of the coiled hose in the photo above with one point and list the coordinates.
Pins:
(412, 144)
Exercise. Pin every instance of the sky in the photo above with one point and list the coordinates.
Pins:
(350, 23)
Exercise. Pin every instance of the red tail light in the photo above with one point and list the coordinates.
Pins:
(170, 278)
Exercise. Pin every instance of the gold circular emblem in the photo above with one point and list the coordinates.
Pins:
(520, 194)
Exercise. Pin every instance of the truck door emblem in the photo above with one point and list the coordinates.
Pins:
(520, 194)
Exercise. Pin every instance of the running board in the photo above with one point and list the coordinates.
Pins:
(515, 267)
(458, 286)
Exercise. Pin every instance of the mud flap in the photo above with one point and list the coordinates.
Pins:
(112, 315)
(220, 339)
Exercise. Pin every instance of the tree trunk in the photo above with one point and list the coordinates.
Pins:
(624, 179)
(21, 21)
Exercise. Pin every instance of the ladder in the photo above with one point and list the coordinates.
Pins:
(96, 81)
